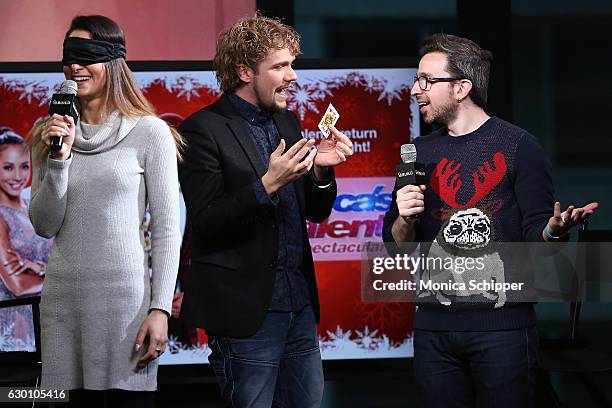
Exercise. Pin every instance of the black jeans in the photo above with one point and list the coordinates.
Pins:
(493, 369)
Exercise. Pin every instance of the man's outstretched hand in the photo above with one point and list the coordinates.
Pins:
(562, 222)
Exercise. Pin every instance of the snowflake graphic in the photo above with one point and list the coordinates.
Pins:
(187, 87)
(319, 92)
(339, 334)
(174, 345)
(372, 84)
(331, 83)
(386, 344)
(10, 84)
(31, 90)
(6, 329)
(368, 340)
(339, 343)
(201, 351)
(161, 82)
(301, 99)
(303, 96)
(384, 315)
(339, 340)
(355, 79)
(8, 341)
(389, 92)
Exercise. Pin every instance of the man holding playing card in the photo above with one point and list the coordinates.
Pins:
(250, 181)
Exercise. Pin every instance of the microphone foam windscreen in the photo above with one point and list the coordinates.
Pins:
(408, 153)
(69, 87)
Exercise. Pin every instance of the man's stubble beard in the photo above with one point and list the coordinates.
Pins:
(444, 115)
(273, 107)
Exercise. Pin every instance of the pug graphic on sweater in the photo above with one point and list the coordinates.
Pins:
(468, 233)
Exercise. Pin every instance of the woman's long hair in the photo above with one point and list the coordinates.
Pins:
(121, 90)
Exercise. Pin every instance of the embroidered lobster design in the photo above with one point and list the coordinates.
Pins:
(446, 182)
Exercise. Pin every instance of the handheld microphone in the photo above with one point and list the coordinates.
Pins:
(65, 102)
(409, 171)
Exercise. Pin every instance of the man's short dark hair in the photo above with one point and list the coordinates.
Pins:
(465, 59)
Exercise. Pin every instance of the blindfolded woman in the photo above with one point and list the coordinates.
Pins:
(103, 315)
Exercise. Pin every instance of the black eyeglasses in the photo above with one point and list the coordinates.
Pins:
(425, 82)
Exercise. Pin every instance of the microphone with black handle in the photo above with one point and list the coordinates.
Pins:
(65, 102)
(409, 172)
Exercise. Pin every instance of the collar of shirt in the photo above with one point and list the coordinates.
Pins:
(249, 112)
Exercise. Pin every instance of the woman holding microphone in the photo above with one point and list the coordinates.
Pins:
(103, 314)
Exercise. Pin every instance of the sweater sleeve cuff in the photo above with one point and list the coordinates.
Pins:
(57, 173)
(155, 308)
(164, 305)
(59, 164)
(326, 182)
(551, 238)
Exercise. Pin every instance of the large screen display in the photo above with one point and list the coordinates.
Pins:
(376, 112)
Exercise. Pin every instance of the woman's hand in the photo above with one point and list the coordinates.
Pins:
(155, 328)
(59, 126)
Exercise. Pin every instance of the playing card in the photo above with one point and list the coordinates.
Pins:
(330, 118)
